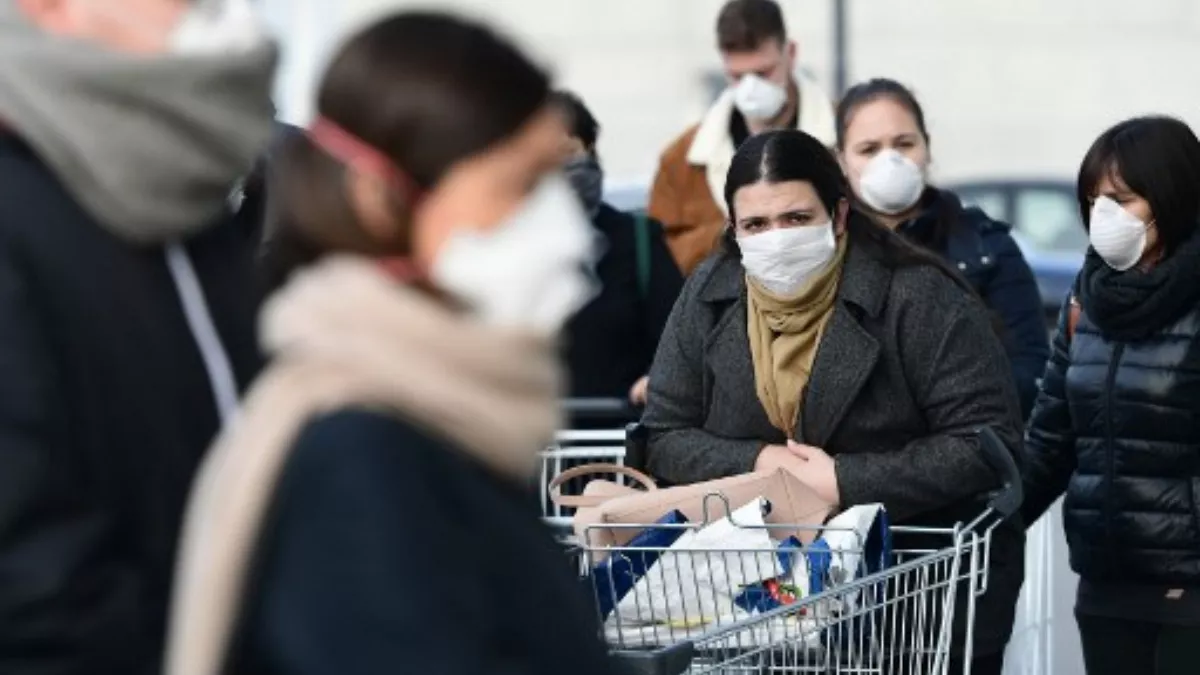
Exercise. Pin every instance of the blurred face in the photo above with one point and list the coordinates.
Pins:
(570, 147)
(772, 61)
(1114, 187)
(879, 125)
(135, 26)
(482, 191)
(762, 207)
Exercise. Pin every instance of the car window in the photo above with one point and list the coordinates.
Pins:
(1049, 219)
(989, 200)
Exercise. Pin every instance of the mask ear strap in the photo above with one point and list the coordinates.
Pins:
(361, 156)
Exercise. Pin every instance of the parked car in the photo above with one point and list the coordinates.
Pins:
(1045, 219)
(1044, 215)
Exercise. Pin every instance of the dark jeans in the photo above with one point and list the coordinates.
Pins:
(1120, 647)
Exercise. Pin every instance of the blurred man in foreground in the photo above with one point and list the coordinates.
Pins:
(766, 91)
(126, 309)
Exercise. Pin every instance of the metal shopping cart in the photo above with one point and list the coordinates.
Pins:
(907, 617)
(603, 432)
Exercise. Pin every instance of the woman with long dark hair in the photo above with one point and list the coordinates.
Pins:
(824, 344)
(1115, 425)
(368, 511)
(883, 144)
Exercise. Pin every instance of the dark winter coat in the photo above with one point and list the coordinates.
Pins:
(1116, 429)
(985, 253)
(907, 369)
(611, 341)
(105, 410)
(467, 577)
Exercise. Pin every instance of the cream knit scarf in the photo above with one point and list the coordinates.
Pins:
(345, 335)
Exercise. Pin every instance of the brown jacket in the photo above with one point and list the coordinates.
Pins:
(687, 197)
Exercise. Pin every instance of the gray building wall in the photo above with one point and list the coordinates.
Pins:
(1011, 88)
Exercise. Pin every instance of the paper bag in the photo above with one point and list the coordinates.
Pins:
(792, 503)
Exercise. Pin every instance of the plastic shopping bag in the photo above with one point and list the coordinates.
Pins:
(697, 579)
(615, 575)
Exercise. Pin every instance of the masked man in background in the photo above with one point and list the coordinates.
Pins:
(126, 306)
(766, 91)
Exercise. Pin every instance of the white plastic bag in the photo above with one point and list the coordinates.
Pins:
(695, 581)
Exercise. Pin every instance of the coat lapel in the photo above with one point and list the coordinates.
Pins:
(848, 352)
(845, 359)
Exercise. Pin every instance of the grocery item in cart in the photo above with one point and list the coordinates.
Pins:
(792, 503)
(698, 578)
(613, 577)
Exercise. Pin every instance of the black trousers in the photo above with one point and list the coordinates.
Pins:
(1120, 647)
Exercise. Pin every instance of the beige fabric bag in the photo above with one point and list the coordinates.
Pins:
(604, 502)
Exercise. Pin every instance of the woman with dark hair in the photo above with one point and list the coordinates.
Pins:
(824, 344)
(609, 344)
(1115, 424)
(883, 145)
(368, 510)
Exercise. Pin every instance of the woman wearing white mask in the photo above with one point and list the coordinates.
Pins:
(368, 512)
(884, 147)
(822, 343)
(1114, 427)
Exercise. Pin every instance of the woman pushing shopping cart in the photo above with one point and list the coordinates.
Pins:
(734, 592)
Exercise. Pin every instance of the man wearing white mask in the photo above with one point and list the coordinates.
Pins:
(766, 91)
(126, 303)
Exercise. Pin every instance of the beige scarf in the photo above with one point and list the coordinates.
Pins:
(344, 334)
(784, 335)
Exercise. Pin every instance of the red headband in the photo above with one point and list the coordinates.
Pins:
(361, 156)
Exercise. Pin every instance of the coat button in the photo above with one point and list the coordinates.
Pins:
(986, 260)
(962, 266)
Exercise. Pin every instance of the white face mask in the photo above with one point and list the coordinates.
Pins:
(784, 259)
(207, 27)
(758, 98)
(218, 27)
(1118, 236)
(891, 183)
(530, 272)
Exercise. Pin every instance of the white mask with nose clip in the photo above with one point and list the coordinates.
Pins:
(531, 272)
(784, 259)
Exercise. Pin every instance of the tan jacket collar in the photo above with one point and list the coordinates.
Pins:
(712, 148)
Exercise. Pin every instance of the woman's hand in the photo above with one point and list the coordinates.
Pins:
(774, 457)
(637, 393)
(817, 470)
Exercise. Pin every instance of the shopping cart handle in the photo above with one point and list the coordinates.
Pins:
(673, 660)
(1007, 501)
(599, 409)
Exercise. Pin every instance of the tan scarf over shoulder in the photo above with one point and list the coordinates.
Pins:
(784, 335)
(344, 334)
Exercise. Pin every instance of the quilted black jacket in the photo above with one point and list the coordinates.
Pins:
(1116, 427)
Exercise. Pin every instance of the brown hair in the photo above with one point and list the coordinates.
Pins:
(425, 89)
(744, 25)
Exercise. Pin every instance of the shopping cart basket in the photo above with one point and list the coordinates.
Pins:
(606, 440)
(898, 620)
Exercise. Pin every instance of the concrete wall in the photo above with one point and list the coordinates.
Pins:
(1014, 88)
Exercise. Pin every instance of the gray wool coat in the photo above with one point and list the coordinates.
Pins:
(908, 368)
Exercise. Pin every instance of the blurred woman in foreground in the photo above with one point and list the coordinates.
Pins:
(367, 513)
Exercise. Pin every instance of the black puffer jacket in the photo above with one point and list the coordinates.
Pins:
(1116, 428)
